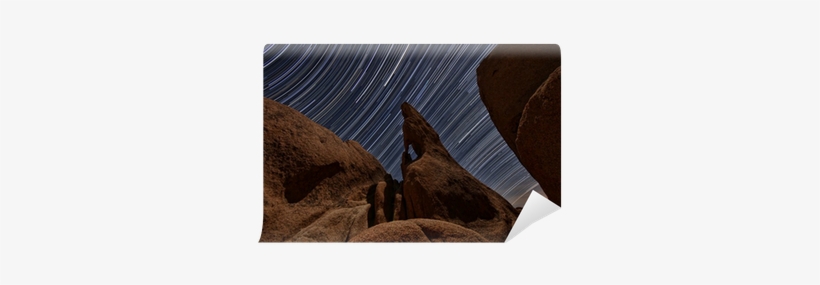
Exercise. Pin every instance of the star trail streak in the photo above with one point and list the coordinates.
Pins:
(356, 90)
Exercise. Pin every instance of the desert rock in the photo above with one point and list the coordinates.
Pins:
(386, 200)
(335, 226)
(508, 77)
(539, 136)
(436, 187)
(380, 217)
(418, 230)
(312, 176)
(521, 87)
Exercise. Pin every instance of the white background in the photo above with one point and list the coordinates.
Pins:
(132, 141)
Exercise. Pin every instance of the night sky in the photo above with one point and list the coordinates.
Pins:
(356, 90)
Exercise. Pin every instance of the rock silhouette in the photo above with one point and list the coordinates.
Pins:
(436, 187)
(315, 184)
(418, 230)
(539, 136)
(509, 79)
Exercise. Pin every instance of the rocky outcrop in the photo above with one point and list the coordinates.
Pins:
(386, 200)
(508, 79)
(398, 204)
(418, 230)
(436, 187)
(315, 184)
(539, 136)
(379, 201)
(318, 188)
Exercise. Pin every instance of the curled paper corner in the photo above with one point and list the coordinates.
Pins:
(536, 208)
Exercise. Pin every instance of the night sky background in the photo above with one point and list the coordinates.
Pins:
(356, 90)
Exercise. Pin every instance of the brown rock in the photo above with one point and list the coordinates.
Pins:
(418, 230)
(398, 211)
(386, 200)
(309, 172)
(379, 202)
(539, 136)
(525, 107)
(508, 77)
(335, 226)
(436, 187)
(392, 199)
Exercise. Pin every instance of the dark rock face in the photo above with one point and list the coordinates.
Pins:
(509, 79)
(539, 136)
(315, 184)
(418, 230)
(436, 187)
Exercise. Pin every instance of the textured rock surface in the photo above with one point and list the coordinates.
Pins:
(379, 202)
(523, 98)
(539, 136)
(392, 202)
(309, 173)
(335, 226)
(418, 230)
(398, 211)
(508, 77)
(437, 187)
(385, 197)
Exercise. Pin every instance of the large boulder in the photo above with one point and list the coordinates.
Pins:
(313, 179)
(539, 136)
(508, 77)
(418, 230)
(436, 187)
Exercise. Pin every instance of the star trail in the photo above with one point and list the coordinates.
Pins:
(356, 90)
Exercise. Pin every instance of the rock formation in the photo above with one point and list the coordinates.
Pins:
(508, 79)
(436, 187)
(539, 136)
(418, 230)
(399, 211)
(315, 184)
(379, 216)
(318, 188)
(386, 201)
